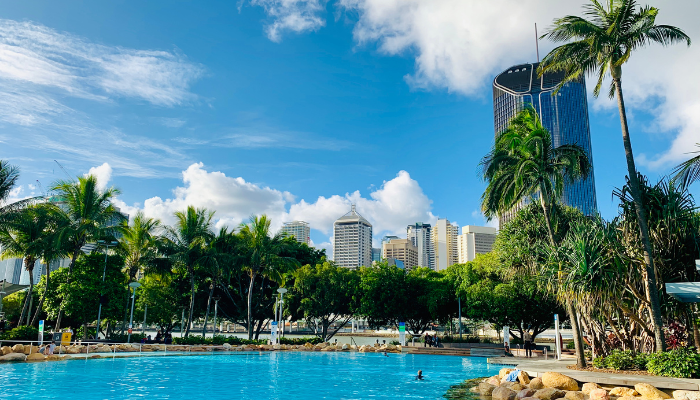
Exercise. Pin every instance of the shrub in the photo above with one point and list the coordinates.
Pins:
(300, 341)
(599, 362)
(640, 361)
(135, 337)
(682, 362)
(570, 345)
(620, 360)
(395, 342)
(22, 333)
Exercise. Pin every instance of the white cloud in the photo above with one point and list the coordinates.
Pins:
(103, 173)
(292, 15)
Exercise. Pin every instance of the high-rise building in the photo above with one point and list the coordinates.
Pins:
(419, 235)
(564, 114)
(401, 249)
(444, 237)
(376, 255)
(299, 229)
(353, 240)
(475, 240)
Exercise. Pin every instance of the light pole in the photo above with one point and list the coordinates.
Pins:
(281, 291)
(104, 273)
(216, 308)
(143, 327)
(133, 285)
(459, 305)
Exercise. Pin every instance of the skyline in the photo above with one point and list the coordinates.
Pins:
(244, 112)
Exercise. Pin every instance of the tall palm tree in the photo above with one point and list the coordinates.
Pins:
(87, 216)
(8, 179)
(263, 256)
(28, 234)
(186, 245)
(524, 163)
(601, 45)
(137, 243)
(688, 172)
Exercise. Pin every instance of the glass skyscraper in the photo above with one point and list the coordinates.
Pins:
(565, 115)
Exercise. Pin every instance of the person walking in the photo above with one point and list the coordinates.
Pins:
(527, 339)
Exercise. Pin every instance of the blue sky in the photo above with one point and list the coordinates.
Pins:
(296, 108)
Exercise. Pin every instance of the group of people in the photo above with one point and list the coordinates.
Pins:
(165, 338)
(431, 341)
(48, 349)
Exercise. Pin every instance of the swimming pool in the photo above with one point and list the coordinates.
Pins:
(256, 376)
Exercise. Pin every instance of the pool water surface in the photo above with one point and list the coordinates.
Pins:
(243, 376)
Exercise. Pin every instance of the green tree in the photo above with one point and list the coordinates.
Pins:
(688, 172)
(601, 45)
(160, 296)
(323, 295)
(138, 243)
(9, 174)
(12, 306)
(29, 234)
(525, 163)
(87, 215)
(263, 255)
(382, 294)
(186, 245)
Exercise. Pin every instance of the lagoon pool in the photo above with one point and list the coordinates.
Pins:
(243, 376)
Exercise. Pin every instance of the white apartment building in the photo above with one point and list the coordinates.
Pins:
(352, 246)
(475, 240)
(402, 250)
(444, 237)
(299, 229)
(419, 235)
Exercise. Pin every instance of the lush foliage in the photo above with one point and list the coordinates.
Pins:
(683, 362)
(21, 333)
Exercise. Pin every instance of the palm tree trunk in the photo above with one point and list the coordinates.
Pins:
(547, 218)
(650, 281)
(189, 318)
(206, 316)
(29, 266)
(43, 295)
(250, 305)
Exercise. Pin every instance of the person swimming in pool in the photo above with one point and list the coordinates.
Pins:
(419, 377)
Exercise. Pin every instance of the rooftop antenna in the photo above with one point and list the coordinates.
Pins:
(537, 44)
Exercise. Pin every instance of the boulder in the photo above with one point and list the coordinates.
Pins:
(587, 387)
(277, 347)
(523, 378)
(503, 393)
(18, 348)
(556, 380)
(626, 392)
(525, 393)
(629, 398)
(549, 394)
(685, 395)
(504, 372)
(13, 357)
(649, 392)
(531, 398)
(494, 380)
(485, 389)
(54, 358)
(5, 350)
(536, 384)
(29, 349)
(36, 357)
(513, 386)
(345, 347)
(574, 396)
(599, 394)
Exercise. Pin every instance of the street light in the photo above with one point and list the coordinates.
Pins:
(132, 285)
(104, 272)
(281, 291)
(216, 308)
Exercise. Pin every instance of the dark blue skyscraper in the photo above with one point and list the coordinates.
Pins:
(565, 115)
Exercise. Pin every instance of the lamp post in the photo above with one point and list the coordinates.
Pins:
(281, 291)
(216, 308)
(133, 285)
(104, 273)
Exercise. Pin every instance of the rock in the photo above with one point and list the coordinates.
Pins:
(29, 349)
(629, 398)
(485, 389)
(574, 396)
(599, 394)
(556, 380)
(526, 393)
(504, 371)
(6, 350)
(626, 392)
(649, 392)
(345, 347)
(536, 384)
(494, 380)
(530, 398)
(18, 348)
(587, 387)
(523, 378)
(277, 347)
(549, 394)
(36, 357)
(503, 393)
(390, 346)
(685, 395)
(13, 357)
(54, 358)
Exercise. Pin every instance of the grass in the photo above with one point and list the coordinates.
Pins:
(462, 391)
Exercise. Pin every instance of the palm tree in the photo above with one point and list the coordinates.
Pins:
(688, 172)
(601, 45)
(138, 243)
(262, 257)
(524, 163)
(186, 245)
(28, 234)
(87, 216)
(8, 179)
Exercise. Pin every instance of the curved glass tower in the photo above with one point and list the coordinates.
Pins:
(565, 115)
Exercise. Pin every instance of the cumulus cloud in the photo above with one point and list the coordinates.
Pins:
(292, 15)
(103, 173)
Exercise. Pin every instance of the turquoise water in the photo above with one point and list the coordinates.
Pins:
(256, 376)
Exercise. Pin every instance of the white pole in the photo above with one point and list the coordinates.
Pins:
(216, 308)
(557, 342)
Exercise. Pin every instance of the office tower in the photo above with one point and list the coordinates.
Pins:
(444, 237)
(565, 115)
(475, 240)
(353, 241)
(401, 249)
(419, 234)
(299, 229)
(376, 255)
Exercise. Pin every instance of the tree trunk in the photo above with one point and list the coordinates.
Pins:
(206, 316)
(580, 354)
(70, 271)
(250, 306)
(650, 281)
(126, 309)
(189, 318)
(43, 295)
(29, 266)
(547, 218)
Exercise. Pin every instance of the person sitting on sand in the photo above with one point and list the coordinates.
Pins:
(419, 377)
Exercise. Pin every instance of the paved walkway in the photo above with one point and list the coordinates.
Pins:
(538, 367)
